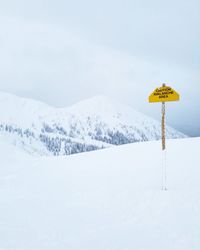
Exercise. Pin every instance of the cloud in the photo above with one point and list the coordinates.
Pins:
(123, 51)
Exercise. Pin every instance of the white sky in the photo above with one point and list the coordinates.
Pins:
(64, 51)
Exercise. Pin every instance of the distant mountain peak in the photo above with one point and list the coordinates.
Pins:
(91, 124)
(97, 102)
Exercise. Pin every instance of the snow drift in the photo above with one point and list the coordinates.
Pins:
(107, 199)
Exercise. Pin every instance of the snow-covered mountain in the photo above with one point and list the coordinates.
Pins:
(92, 124)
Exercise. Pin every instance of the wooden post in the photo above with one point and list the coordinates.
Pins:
(163, 94)
(164, 182)
(163, 125)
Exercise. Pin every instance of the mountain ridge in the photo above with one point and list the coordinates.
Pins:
(95, 123)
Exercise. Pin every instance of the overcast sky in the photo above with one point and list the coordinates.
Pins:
(64, 51)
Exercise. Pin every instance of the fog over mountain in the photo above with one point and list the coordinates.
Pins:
(66, 51)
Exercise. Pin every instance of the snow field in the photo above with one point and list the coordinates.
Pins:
(107, 199)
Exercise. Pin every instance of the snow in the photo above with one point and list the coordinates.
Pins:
(94, 123)
(22, 111)
(106, 199)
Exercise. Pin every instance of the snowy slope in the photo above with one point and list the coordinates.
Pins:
(92, 124)
(107, 199)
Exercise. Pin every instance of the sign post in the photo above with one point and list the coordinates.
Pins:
(164, 94)
(163, 127)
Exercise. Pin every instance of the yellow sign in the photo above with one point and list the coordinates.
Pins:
(164, 94)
